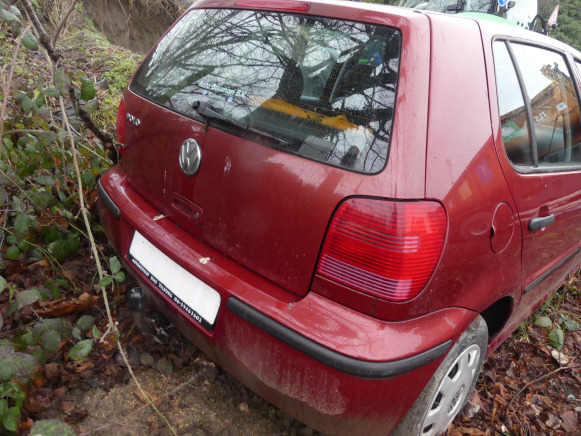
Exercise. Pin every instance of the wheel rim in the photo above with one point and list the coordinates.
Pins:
(452, 391)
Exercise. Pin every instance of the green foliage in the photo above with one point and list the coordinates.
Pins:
(81, 350)
(563, 322)
(116, 274)
(38, 189)
(13, 16)
(569, 21)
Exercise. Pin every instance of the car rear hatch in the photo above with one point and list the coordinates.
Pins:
(290, 114)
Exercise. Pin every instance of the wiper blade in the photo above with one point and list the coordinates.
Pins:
(207, 112)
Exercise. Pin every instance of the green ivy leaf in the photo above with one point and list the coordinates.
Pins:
(77, 333)
(29, 41)
(96, 332)
(28, 104)
(16, 12)
(81, 350)
(40, 355)
(119, 277)
(544, 321)
(30, 338)
(40, 100)
(45, 180)
(60, 325)
(6, 372)
(12, 253)
(106, 281)
(60, 81)
(8, 16)
(27, 297)
(21, 224)
(114, 264)
(12, 390)
(2, 284)
(571, 325)
(87, 89)
(47, 137)
(88, 179)
(557, 338)
(51, 92)
(51, 340)
(51, 427)
(85, 322)
(11, 419)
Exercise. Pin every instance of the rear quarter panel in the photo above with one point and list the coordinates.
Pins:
(463, 173)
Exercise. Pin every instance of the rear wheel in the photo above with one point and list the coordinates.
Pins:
(448, 390)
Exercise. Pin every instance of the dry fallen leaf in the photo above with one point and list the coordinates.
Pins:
(561, 358)
(66, 306)
(570, 421)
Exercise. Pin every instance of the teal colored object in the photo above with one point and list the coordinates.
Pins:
(487, 17)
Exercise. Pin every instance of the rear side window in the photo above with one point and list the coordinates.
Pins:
(513, 115)
(553, 118)
(321, 88)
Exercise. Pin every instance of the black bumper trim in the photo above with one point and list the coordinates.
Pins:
(551, 271)
(338, 361)
(111, 206)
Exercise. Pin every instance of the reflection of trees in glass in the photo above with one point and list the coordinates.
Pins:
(296, 77)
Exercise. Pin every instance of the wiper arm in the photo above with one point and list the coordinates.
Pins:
(207, 112)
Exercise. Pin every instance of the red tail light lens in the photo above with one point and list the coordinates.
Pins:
(384, 248)
(285, 5)
(121, 117)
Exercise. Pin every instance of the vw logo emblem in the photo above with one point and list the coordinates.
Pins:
(190, 157)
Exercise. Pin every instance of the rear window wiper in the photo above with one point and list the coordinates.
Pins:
(207, 112)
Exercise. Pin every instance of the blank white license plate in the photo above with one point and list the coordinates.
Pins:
(193, 296)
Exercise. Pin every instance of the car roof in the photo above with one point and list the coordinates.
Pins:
(491, 25)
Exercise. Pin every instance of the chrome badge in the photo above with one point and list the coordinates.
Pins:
(190, 157)
(133, 119)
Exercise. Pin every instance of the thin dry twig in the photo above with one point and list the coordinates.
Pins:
(53, 57)
(544, 376)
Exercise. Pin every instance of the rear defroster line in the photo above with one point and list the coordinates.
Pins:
(333, 359)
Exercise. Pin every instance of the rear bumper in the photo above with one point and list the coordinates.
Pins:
(335, 369)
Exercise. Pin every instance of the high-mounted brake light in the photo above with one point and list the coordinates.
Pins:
(121, 117)
(384, 248)
(285, 5)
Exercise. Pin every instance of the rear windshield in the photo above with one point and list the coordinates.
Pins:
(321, 88)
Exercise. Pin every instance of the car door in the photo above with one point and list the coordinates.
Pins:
(541, 157)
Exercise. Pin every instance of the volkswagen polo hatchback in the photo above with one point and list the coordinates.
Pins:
(348, 205)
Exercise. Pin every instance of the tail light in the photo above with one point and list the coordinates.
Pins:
(384, 248)
(285, 5)
(121, 119)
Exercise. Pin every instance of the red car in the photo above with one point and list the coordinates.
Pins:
(348, 205)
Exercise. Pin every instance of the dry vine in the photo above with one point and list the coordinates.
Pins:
(52, 57)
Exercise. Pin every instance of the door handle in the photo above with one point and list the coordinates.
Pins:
(541, 222)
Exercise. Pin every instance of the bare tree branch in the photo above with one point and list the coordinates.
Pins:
(62, 23)
(107, 141)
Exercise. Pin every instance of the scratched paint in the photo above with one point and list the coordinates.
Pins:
(227, 165)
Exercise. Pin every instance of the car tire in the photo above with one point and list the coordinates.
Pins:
(448, 391)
